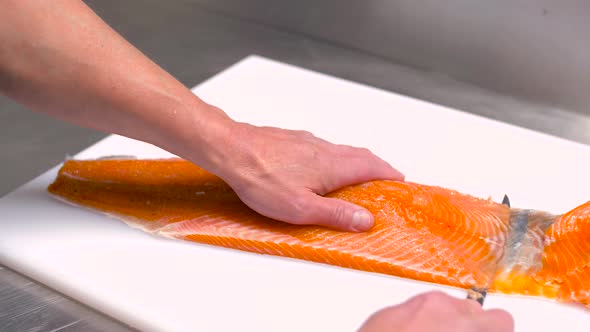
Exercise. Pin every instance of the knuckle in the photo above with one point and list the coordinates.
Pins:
(501, 318)
(300, 210)
(435, 300)
(421, 298)
(338, 214)
(364, 151)
(471, 306)
(358, 152)
(304, 134)
(435, 297)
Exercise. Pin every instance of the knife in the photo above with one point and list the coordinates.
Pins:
(478, 293)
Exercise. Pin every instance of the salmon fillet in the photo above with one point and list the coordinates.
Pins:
(566, 258)
(421, 232)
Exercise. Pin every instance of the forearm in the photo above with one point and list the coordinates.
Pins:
(59, 58)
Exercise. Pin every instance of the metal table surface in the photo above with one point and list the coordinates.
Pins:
(194, 43)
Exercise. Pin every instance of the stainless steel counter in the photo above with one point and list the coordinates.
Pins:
(28, 306)
(194, 43)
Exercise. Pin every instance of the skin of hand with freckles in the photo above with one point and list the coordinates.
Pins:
(438, 312)
(58, 57)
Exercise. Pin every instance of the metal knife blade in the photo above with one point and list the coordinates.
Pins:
(477, 293)
(506, 201)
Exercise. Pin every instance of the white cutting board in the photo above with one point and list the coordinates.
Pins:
(158, 284)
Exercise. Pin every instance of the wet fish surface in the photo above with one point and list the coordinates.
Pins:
(421, 232)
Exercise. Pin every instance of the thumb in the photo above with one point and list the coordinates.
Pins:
(496, 320)
(335, 213)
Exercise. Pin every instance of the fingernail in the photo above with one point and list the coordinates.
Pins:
(361, 220)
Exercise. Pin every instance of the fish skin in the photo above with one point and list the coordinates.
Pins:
(421, 232)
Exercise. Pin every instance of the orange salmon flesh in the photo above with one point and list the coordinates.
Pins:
(421, 232)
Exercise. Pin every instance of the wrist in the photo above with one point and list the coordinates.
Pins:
(201, 133)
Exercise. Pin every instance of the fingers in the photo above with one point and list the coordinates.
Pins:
(281, 173)
(438, 311)
(440, 301)
(496, 320)
(361, 165)
(334, 213)
(471, 313)
(468, 306)
(376, 168)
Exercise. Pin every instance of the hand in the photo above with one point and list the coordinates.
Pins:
(106, 84)
(436, 311)
(282, 173)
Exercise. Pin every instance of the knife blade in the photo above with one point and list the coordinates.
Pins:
(479, 293)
